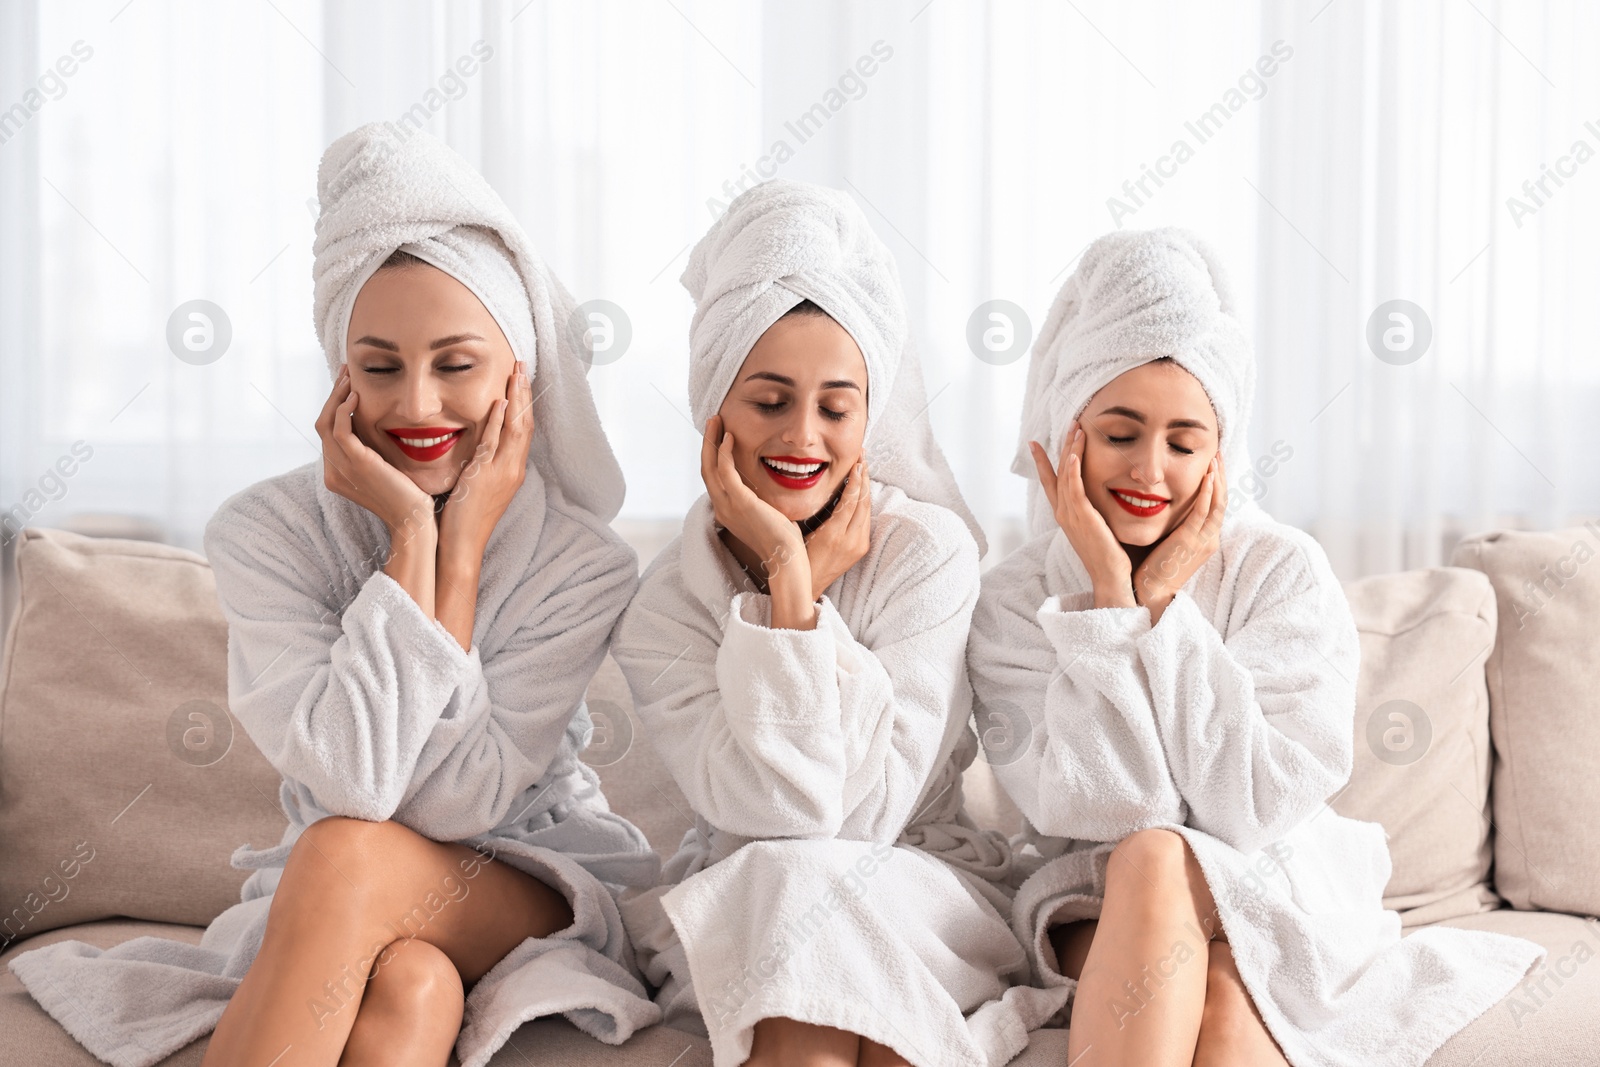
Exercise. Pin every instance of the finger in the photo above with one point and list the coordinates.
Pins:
(1072, 476)
(861, 516)
(726, 471)
(336, 396)
(708, 451)
(1072, 455)
(1222, 480)
(849, 498)
(489, 447)
(1047, 473)
(1199, 516)
(522, 424)
(1219, 505)
(343, 431)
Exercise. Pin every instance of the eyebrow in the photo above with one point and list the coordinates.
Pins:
(1175, 424)
(443, 342)
(832, 383)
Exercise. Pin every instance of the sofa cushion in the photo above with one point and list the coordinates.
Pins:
(1544, 714)
(1553, 1017)
(636, 783)
(1422, 736)
(124, 784)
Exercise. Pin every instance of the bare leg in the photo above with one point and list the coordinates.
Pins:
(1142, 968)
(411, 1012)
(1231, 1031)
(349, 889)
(784, 1042)
(876, 1055)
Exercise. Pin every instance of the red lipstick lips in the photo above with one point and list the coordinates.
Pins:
(441, 440)
(794, 472)
(1155, 507)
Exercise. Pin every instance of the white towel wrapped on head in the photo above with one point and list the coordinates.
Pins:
(782, 242)
(1136, 296)
(379, 194)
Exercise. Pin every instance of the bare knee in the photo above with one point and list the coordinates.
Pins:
(1147, 861)
(418, 979)
(347, 854)
(411, 1010)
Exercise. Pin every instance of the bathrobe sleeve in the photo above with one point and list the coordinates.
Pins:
(488, 747)
(1091, 763)
(1258, 726)
(812, 733)
(373, 706)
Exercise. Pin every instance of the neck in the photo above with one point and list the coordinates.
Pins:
(751, 560)
(1137, 553)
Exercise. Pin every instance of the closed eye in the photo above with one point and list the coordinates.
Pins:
(391, 370)
(774, 408)
(1176, 448)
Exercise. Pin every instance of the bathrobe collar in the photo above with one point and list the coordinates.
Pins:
(363, 543)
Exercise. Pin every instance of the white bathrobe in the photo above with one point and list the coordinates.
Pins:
(370, 709)
(1229, 721)
(831, 875)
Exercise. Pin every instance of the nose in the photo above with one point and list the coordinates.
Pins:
(1148, 461)
(803, 429)
(419, 398)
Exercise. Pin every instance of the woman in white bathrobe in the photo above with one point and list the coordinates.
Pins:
(797, 657)
(413, 620)
(1165, 680)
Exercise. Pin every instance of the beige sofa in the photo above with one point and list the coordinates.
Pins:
(124, 785)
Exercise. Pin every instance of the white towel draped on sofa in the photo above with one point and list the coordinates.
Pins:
(371, 710)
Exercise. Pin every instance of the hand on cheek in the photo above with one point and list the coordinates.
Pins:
(1181, 553)
(759, 526)
(1087, 530)
(841, 541)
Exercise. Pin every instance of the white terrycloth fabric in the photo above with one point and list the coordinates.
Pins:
(379, 193)
(371, 710)
(782, 242)
(1230, 722)
(832, 875)
(1137, 295)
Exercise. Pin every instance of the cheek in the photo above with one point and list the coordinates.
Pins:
(1186, 482)
(845, 439)
(747, 437)
(1098, 460)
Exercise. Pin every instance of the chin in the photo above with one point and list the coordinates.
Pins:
(1139, 536)
(435, 482)
(797, 507)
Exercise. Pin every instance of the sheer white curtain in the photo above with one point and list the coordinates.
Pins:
(1397, 172)
(1341, 155)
